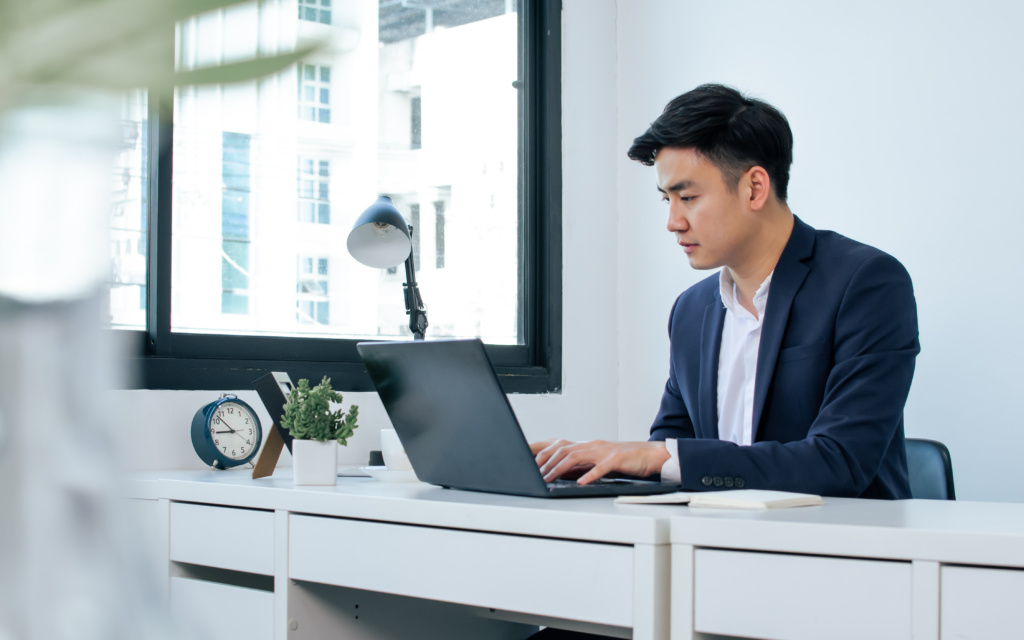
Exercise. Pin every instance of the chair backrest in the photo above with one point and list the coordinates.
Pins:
(930, 469)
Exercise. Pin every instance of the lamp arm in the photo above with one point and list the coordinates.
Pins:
(413, 302)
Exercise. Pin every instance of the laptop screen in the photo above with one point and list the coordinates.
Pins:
(455, 422)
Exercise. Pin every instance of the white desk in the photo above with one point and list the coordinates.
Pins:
(367, 559)
(850, 569)
(374, 560)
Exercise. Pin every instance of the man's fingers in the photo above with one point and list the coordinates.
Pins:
(558, 453)
(602, 467)
(599, 458)
(550, 449)
(567, 468)
(537, 447)
(565, 460)
(596, 473)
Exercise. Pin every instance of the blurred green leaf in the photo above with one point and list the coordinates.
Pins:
(113, 44)
(235, 71)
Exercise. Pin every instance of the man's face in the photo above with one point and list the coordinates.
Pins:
(713, 225)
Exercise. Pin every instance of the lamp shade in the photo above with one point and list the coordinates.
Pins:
(380, 237)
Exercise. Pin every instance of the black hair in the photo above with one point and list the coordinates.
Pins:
(731, 130)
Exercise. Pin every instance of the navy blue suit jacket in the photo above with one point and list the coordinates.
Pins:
(836, 359)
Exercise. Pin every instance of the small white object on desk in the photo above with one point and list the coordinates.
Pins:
(393, 452)
(384, 474)
(733, 499)
(658, 498)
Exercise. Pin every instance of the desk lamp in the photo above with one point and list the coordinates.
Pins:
(381, 238)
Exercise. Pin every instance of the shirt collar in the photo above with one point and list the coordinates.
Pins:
(727, 286)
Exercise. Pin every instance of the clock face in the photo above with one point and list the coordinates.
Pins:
(234, 430)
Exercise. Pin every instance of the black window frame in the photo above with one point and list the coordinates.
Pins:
(167, 360)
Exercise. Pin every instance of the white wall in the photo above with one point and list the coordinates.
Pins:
(908, 135)
(906, 122)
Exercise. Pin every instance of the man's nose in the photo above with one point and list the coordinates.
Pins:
(676, 219)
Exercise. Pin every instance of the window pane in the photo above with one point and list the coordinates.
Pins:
(269, 176)
(128, 229)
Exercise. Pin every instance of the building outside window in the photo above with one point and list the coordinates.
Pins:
(313, 305)
(415, 122)
(439, 234)
(417, 233)
(398, 111)
(315, 11)
(314, 191)
(315, 92)
(128, 224)
(235, 224)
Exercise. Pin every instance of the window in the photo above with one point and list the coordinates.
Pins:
(417, 233)
(315, 11)
(415, 123)
(314, 191)
(234, 214)
(128, 221)
(439, 234)
(256, 187)
(313, 305)
(315, 93)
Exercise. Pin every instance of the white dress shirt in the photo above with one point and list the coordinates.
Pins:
(737, 369)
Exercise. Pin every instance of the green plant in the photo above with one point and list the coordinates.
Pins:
(308, 415)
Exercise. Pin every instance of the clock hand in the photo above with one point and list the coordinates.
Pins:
(225, 423)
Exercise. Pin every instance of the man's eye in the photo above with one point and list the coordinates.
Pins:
(687, 198)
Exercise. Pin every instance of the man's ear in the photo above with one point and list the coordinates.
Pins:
(760, 187)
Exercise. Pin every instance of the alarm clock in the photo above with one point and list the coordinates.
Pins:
(226, 432)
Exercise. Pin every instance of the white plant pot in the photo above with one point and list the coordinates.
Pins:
(315, 463)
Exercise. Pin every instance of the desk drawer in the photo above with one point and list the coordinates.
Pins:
(223, 537)
(213, 610)
(559, 578)
(795, 597)
(981, 603)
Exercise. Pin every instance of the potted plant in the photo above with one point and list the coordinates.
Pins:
(317, 431)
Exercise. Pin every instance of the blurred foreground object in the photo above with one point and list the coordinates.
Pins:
(74, 566)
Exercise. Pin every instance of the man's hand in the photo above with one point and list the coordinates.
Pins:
(559, 458)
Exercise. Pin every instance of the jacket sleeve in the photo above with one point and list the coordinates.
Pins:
(874, 348)
(673, 419)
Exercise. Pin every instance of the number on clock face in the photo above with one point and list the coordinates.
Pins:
(232, 430)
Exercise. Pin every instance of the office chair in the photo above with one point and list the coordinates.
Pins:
(930, 469)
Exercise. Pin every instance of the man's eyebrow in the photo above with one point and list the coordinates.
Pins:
(679, 186)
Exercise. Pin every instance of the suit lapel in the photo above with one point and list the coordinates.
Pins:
(711, 341)
(786, 281)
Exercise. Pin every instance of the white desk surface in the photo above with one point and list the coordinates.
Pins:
(984, 533)
(946, 531)
(593, 519)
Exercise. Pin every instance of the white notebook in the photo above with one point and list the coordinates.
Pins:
(732, 499)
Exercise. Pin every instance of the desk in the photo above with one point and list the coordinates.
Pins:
(853, 569)
(367, 559)
(375, 560)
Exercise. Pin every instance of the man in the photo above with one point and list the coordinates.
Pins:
(789, 369)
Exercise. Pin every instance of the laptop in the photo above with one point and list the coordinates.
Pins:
(457, 426)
